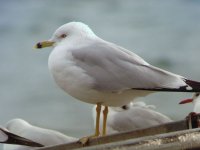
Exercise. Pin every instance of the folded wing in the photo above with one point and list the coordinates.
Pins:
(114, 68)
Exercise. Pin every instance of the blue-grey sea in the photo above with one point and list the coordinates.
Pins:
(166, 33)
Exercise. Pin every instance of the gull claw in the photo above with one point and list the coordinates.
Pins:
(84, 141)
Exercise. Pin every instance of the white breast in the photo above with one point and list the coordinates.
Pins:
(71, 78)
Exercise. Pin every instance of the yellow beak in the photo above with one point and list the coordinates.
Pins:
(44, 44)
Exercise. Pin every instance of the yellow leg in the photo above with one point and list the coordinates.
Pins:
(98, 112)
(85, 140)
(105, 114)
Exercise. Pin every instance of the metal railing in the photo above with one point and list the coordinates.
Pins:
(174, 135)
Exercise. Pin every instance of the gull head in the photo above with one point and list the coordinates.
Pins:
(66, 32)
(194, 99)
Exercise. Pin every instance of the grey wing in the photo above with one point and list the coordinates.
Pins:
(116, 69)
(145, 117)
(138, 117)
(149, 117)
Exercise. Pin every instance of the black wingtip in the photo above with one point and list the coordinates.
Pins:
(195, 85)
(15, 139)
(192, 86)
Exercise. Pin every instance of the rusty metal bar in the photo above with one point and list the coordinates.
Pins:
(164, 128)
(179, 140)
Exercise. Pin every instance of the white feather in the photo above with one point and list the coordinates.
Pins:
(43, 136)
(137, 115)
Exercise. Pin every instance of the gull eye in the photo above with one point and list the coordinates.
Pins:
(125, 107)
(63, 36)
(197, 94)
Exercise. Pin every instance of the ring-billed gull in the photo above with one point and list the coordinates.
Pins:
(99, 72)
(132, 116)
(43, 136)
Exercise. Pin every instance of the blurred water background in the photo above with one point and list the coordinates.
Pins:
(165, 33)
